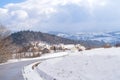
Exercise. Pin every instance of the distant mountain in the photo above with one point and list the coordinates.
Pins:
(24, 37)
(107, 37)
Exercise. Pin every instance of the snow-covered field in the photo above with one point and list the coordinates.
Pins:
(96, 64)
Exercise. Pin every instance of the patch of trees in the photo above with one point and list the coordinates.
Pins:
(117, 45)
(22, 37)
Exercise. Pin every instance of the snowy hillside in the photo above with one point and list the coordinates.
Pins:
(96, 64)
(110, 37)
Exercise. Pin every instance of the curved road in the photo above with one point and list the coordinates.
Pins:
(13, 71)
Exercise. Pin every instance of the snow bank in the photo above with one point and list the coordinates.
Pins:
(30, 72)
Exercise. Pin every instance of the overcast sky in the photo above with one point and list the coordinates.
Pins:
(61, 15)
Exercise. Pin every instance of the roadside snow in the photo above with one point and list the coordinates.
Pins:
(96, 64)
(30, 72)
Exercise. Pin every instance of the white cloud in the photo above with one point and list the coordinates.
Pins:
(3, 13)
(19, 14)
(46, 14)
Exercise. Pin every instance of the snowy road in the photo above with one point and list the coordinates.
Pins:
(13, 71)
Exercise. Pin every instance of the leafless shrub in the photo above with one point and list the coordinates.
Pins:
(88, 48)
(5, 47)
(35, 65)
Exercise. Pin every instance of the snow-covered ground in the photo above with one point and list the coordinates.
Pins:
(96, 64)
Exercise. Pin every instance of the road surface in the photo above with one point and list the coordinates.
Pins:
(13, 71)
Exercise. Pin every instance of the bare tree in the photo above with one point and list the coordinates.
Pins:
(5, 46)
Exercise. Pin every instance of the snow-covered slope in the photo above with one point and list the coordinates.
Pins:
(109, 37)
(96, 64)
